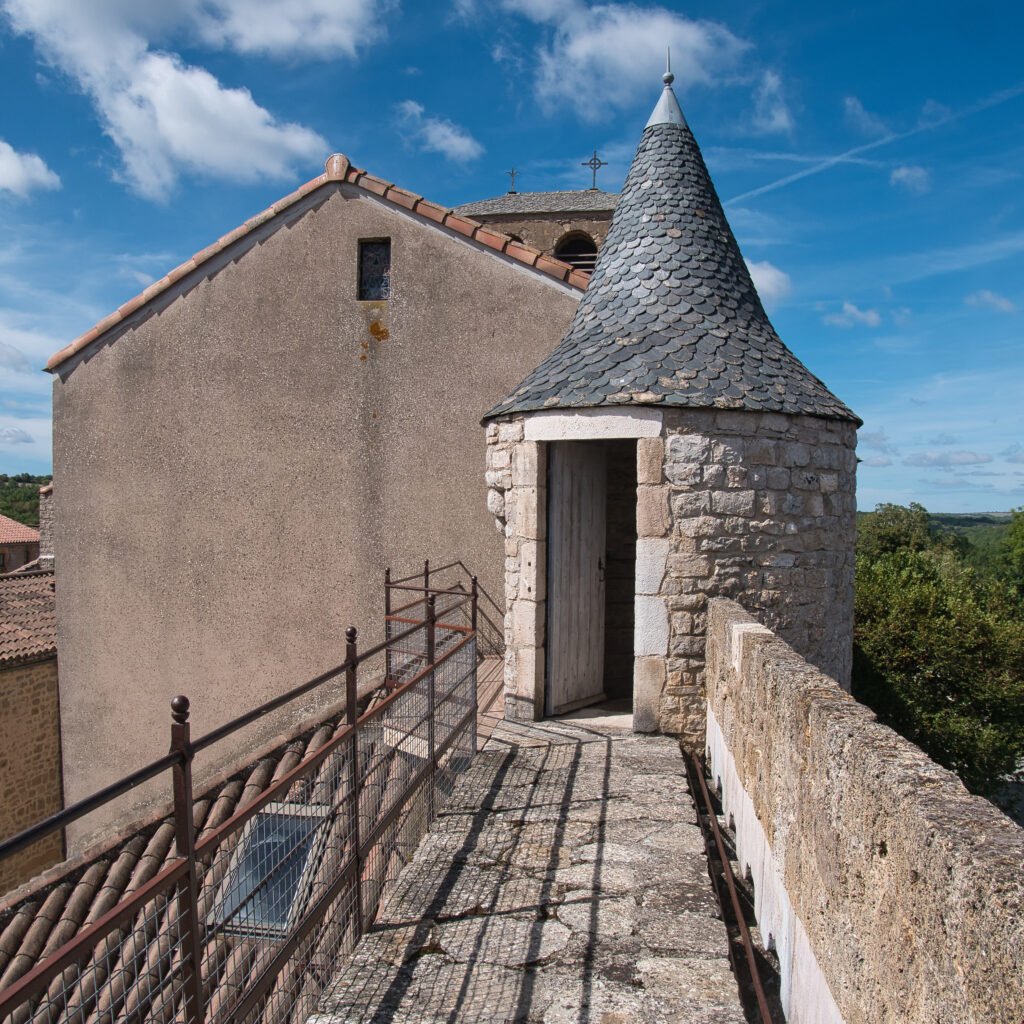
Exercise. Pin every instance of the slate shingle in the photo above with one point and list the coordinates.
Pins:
(671, 316)
(589, 200)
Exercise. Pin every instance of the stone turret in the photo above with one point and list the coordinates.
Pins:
(745, 459)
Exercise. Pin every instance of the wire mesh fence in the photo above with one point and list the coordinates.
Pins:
(247, 922)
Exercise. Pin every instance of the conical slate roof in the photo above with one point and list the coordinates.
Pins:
(671, 316)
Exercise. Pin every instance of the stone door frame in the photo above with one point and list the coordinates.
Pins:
(524, 509)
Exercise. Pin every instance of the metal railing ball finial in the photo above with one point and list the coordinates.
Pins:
(180, 708)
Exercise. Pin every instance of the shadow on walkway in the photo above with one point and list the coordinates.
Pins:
(565, 882)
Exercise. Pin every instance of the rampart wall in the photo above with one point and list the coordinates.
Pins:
(889, 892)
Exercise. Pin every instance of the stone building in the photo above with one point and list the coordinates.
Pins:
(569, 226)
(19, 544)
(671, 401)
(30, 757)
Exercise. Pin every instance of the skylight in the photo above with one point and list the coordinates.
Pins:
(270, 878)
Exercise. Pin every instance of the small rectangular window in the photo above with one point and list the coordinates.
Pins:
(375, 268)
(270, 878)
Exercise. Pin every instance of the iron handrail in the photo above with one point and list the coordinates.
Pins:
(80, 808)
(77, 810)
(178, 880)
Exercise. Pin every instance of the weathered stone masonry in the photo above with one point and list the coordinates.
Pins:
(758, 507)
(891, 895)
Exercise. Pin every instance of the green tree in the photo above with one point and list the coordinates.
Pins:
(936, 654)
(892, 528)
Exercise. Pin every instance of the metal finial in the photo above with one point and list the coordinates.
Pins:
(512, 174)
(595, 163)
(180, 709)
(351, 634)
(668, 78)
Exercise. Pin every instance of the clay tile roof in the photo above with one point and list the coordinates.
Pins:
(28, 621)
(671, 316)
(338, 169)
(51, 909)
(13, 532)
(589, 200)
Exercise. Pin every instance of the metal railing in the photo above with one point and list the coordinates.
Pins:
(245, 922)
(452, 578)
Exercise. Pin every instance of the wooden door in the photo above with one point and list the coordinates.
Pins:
(577, 489)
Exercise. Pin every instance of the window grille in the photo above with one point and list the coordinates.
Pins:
(375, 269)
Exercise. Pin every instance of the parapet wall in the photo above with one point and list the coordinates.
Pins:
(889, 892)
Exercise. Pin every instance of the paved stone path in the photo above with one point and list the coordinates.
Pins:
(565, 882)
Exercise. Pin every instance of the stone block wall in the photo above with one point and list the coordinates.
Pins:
(517, 498)
(889, 892)
(46, 518)
(758, 507)
(30, 765)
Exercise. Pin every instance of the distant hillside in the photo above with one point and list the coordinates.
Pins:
(19, 497)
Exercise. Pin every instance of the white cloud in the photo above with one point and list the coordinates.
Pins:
(436, 134)
(21, 173)
(913, 179)
(877, 460)
(603, 57)
(877, 439)
(771, 112)
(1014, 454)
(289, 28)
(15, 435)
(772, 284)
(167, 117)
(862, 120)
(852, 315)
(992, 300)
(944, 459)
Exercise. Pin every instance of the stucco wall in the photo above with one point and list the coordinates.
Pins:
(236, 471)
(30, 771)
(873, 867)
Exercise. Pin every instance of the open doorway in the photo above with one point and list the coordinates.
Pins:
(591, 573)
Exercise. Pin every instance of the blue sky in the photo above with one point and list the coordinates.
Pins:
(870, 159)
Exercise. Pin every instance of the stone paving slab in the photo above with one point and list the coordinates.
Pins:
(565, 882)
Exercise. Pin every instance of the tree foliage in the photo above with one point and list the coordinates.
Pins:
(939, 648)
(19, 497)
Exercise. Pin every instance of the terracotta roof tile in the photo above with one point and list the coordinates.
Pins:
(13, 532)
(338, 168)
(28, 621)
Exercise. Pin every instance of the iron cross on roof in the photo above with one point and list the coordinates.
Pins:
(595, 163)
(512, 174)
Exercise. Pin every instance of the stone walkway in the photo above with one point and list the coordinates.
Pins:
(566, 882)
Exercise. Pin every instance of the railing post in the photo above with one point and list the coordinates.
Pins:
(431, 702)
(426, 575)
(474, 591)
(387, 629)
(185, 848)
(351, 659)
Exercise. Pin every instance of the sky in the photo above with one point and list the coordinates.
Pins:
(870, 158)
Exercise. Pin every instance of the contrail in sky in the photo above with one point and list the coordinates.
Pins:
(992, 101)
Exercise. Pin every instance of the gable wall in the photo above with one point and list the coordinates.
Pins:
(236, 470)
